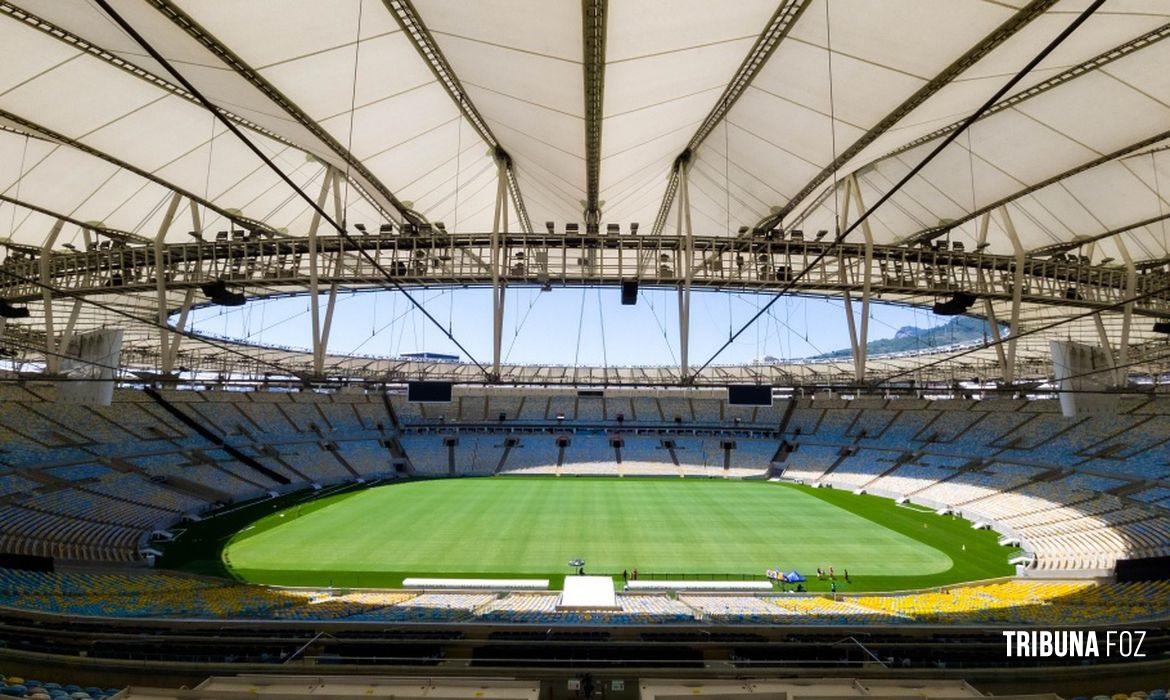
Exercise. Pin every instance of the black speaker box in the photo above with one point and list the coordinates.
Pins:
(629, 292)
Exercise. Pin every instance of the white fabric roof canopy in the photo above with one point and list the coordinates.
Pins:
(841, 70)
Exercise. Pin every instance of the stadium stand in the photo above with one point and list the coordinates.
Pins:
(479, 454)
(534, 608)
(752, 457)
(77, 500)
(177, 596)
(809, 462)
(590, 455)
(186, 184)
(13, 686)
(428, 454)
(533, 454)
(649, 457)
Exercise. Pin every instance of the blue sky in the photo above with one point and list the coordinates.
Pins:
(563, 326)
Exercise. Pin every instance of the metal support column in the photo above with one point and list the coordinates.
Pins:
(996, 336)
(331, 302)
(851, 324)
(169, 360)
(52, 362)
(1107, 347)
(70, 325)
(314, 278)
(160, 274)
(687, 260)
(862, 350)
(197, 229)
(330, 305)
(1009, 369)
(499, 283)
(1127, 310)
(988, 307)
(850, 321)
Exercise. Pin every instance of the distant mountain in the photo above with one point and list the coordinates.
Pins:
(960, 329)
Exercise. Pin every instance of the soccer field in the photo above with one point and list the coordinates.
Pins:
(518, 526)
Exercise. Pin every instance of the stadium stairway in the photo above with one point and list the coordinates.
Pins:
(894, 465)
(670, 448)
(970, 466)
(212, 437)
(508, 445)
(331, 448)
(180, 487)
(272, 453)
(843, 455)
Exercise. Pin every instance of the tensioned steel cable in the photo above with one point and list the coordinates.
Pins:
(524, 319)
(148, 321)
(320, 211)
(32, 347)
(1032, 331)
(1038, 385)
(661, 327)
(357, 53)
(950, 138)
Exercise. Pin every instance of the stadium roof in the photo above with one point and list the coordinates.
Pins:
(780, 111)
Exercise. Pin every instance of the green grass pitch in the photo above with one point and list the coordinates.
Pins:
(532, 526)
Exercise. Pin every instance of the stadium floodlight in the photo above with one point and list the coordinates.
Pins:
(220, 295)
(958, 304)
(7, 310)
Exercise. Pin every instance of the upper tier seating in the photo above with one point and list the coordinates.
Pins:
(707, 407)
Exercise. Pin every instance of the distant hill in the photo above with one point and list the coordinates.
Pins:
(960, 329)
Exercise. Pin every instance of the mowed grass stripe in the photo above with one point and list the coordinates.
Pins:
(532, 526)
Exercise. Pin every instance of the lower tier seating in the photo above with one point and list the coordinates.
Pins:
(152, 594)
